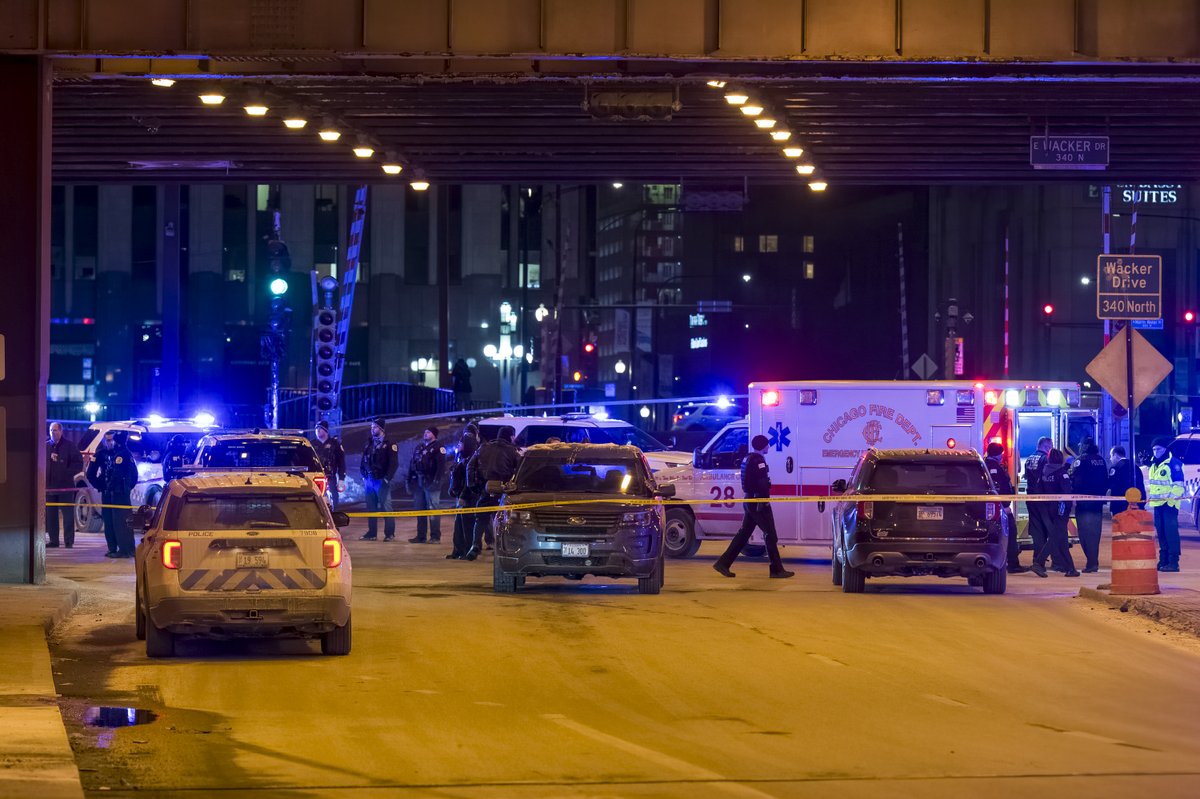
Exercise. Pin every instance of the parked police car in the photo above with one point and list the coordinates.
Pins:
(241, 554)
(584, 428)
(261, 449)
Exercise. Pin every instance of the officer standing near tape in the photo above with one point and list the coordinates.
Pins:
(114, 474)
(1165, 485)
(756, 484)
(1000, 478)
(424, 481)
(378, 470)
(494, 460)
(63, 462)
(333, 461)
(1040, 513)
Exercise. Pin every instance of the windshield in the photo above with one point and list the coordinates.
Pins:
(260, 454)
(632, 436)
(929, 478)
(152, 447)
(251, 511)
(591, 476)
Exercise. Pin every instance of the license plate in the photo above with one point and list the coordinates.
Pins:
(248, 561)
(929, 514)
(574, 550)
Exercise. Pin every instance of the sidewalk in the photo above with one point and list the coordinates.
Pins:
(35, 755)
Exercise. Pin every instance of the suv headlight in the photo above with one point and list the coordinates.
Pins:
(638, 517)
(518, 517)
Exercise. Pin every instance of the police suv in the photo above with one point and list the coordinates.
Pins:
(241, 554)
(584, 428)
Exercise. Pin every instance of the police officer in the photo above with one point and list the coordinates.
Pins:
(756, 484)
(1055, 479)
(1040, 513)
(333, 461)
(1003, 482)
(465, 495)
(424, 475)
(1089, 475)
(63, 462)
(1165, 484)
(174, 457)
(1122, 476)
(378, 470)
(495, 460)
(114, 474)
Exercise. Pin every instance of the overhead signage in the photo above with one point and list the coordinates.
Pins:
(697, 320)
(1128, 287)
(699, 342)
(1068, 152)
(1152, 194)
(1147, 324)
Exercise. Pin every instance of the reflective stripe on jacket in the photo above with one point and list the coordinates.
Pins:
(1164, 484)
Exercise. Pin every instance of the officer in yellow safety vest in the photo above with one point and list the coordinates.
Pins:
(1164, 485)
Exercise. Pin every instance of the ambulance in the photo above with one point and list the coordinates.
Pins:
(817, 430)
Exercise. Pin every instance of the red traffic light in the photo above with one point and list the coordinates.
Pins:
(589, 347)
(1047, 309)
(1189, 316)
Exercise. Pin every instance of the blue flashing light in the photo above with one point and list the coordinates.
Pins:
(91, 407)
(723, 402)
(204, 419)
(156, 420)
(278, 286)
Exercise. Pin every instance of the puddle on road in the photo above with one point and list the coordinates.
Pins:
(111, 717)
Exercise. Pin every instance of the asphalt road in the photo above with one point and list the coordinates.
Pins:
(745, 688)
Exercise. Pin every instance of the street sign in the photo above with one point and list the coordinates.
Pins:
(925, 368)
(1068, 152)
(1109, 369)
(1128, 287)
(1148, 324)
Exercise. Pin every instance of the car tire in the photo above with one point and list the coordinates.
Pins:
(854, 581)
(139, 615)
(837, 568)
(153, 496)
(754, 551)
(337, 641)
(87, 519)
(654, 583)
(679, 537)
(995, 581)
(502, 582)
(159, 643)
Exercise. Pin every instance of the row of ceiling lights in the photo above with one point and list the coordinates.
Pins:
(294, 120)
(766, 120)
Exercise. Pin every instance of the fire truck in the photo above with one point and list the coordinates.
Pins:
(817, 430)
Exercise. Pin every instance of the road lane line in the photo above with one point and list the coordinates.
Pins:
(689, 770)
(945, 700)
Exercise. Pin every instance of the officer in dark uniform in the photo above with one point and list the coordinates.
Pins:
(424, 476)
(63, 462)
(114, 474)
(495, 460)
(174, 458)
(756, 484)
(1040, 513)
(333, 461)
(465, 495)
(1000, 478)
(1089, 475)
(1123, 476)
(378, 470)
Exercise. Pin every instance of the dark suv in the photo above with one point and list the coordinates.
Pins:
(947, 539)
(574, 535)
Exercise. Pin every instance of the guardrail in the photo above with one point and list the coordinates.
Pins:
(368, 400)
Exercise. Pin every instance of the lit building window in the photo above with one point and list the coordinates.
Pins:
(739, 243)
(768, 243)
(808, 270)
(809, 243)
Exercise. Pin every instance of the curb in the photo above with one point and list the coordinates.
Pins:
(65, 607)
(1152, 606)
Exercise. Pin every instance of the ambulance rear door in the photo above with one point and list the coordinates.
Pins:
(777, 419)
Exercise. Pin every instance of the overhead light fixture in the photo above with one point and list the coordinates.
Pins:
(166, 83)
(735, 96)
(392, 169)
(716, 84)
(212, 97)
(781, 135)
(751, 110)
(617, 184)
(818, 185)
(364, 151)
(805, 169)
(419, 185)
(329, 134)
(793, 152)
(765, 123)
(256, 109)
(295, 123)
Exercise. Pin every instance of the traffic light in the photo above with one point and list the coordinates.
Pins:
(325, 359)
(1047, 310)
(589, 357)
(1189, 317)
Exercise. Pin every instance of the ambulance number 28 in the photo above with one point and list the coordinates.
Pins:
(722, 493)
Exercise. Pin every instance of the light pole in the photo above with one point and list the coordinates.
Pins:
(506, 351)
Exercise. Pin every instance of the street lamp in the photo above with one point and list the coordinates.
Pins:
(505, 352)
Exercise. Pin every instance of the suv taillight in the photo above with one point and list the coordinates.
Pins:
(866, 510)
(333, 552)
(991, 510)
(322, 483)
(172, 554)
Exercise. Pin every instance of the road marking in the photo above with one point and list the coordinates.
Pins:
(945, 700)
(489, 704)
(689, 770)
(828, 661)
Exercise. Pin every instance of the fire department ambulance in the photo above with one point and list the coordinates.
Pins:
(817, 430)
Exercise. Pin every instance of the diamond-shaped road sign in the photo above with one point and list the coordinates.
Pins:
(1149, 368)
(925, 368)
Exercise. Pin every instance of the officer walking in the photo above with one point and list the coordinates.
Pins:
(465, 495)
(1089, 475)
(1165, 484)
(424, 474)
(1003, 482)
(756, 484)
(63, 462)
(1040, 513)
(1122, 476)
(114, 474)
(333, 461)
(1055, 480)
(495, 460)
(378, 470)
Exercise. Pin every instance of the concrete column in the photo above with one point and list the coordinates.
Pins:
(203, 314)
(386, 349)
(480, 231)
(170, 300)
(114, 316)
(24, 315)
(297, 206)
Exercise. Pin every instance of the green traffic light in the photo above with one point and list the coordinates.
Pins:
(278, 286)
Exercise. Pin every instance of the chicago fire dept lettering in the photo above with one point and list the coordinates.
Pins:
(873, 429)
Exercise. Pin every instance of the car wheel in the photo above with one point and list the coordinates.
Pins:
(153, 496)
(87, 519)
(337, 640)
(679, 538)
(654, 583)
(139, 615)
(159, 643)
(853, 580)
(837, 567)
(502, 582)
(754, 551)
(995, 581)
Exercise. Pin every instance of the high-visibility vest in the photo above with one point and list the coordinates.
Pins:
(1162, 490)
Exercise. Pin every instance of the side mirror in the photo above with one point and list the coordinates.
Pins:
(665, 490)
(340, 519)
(698, 459)
(495, 487)
(839, 486)
(139, 520)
